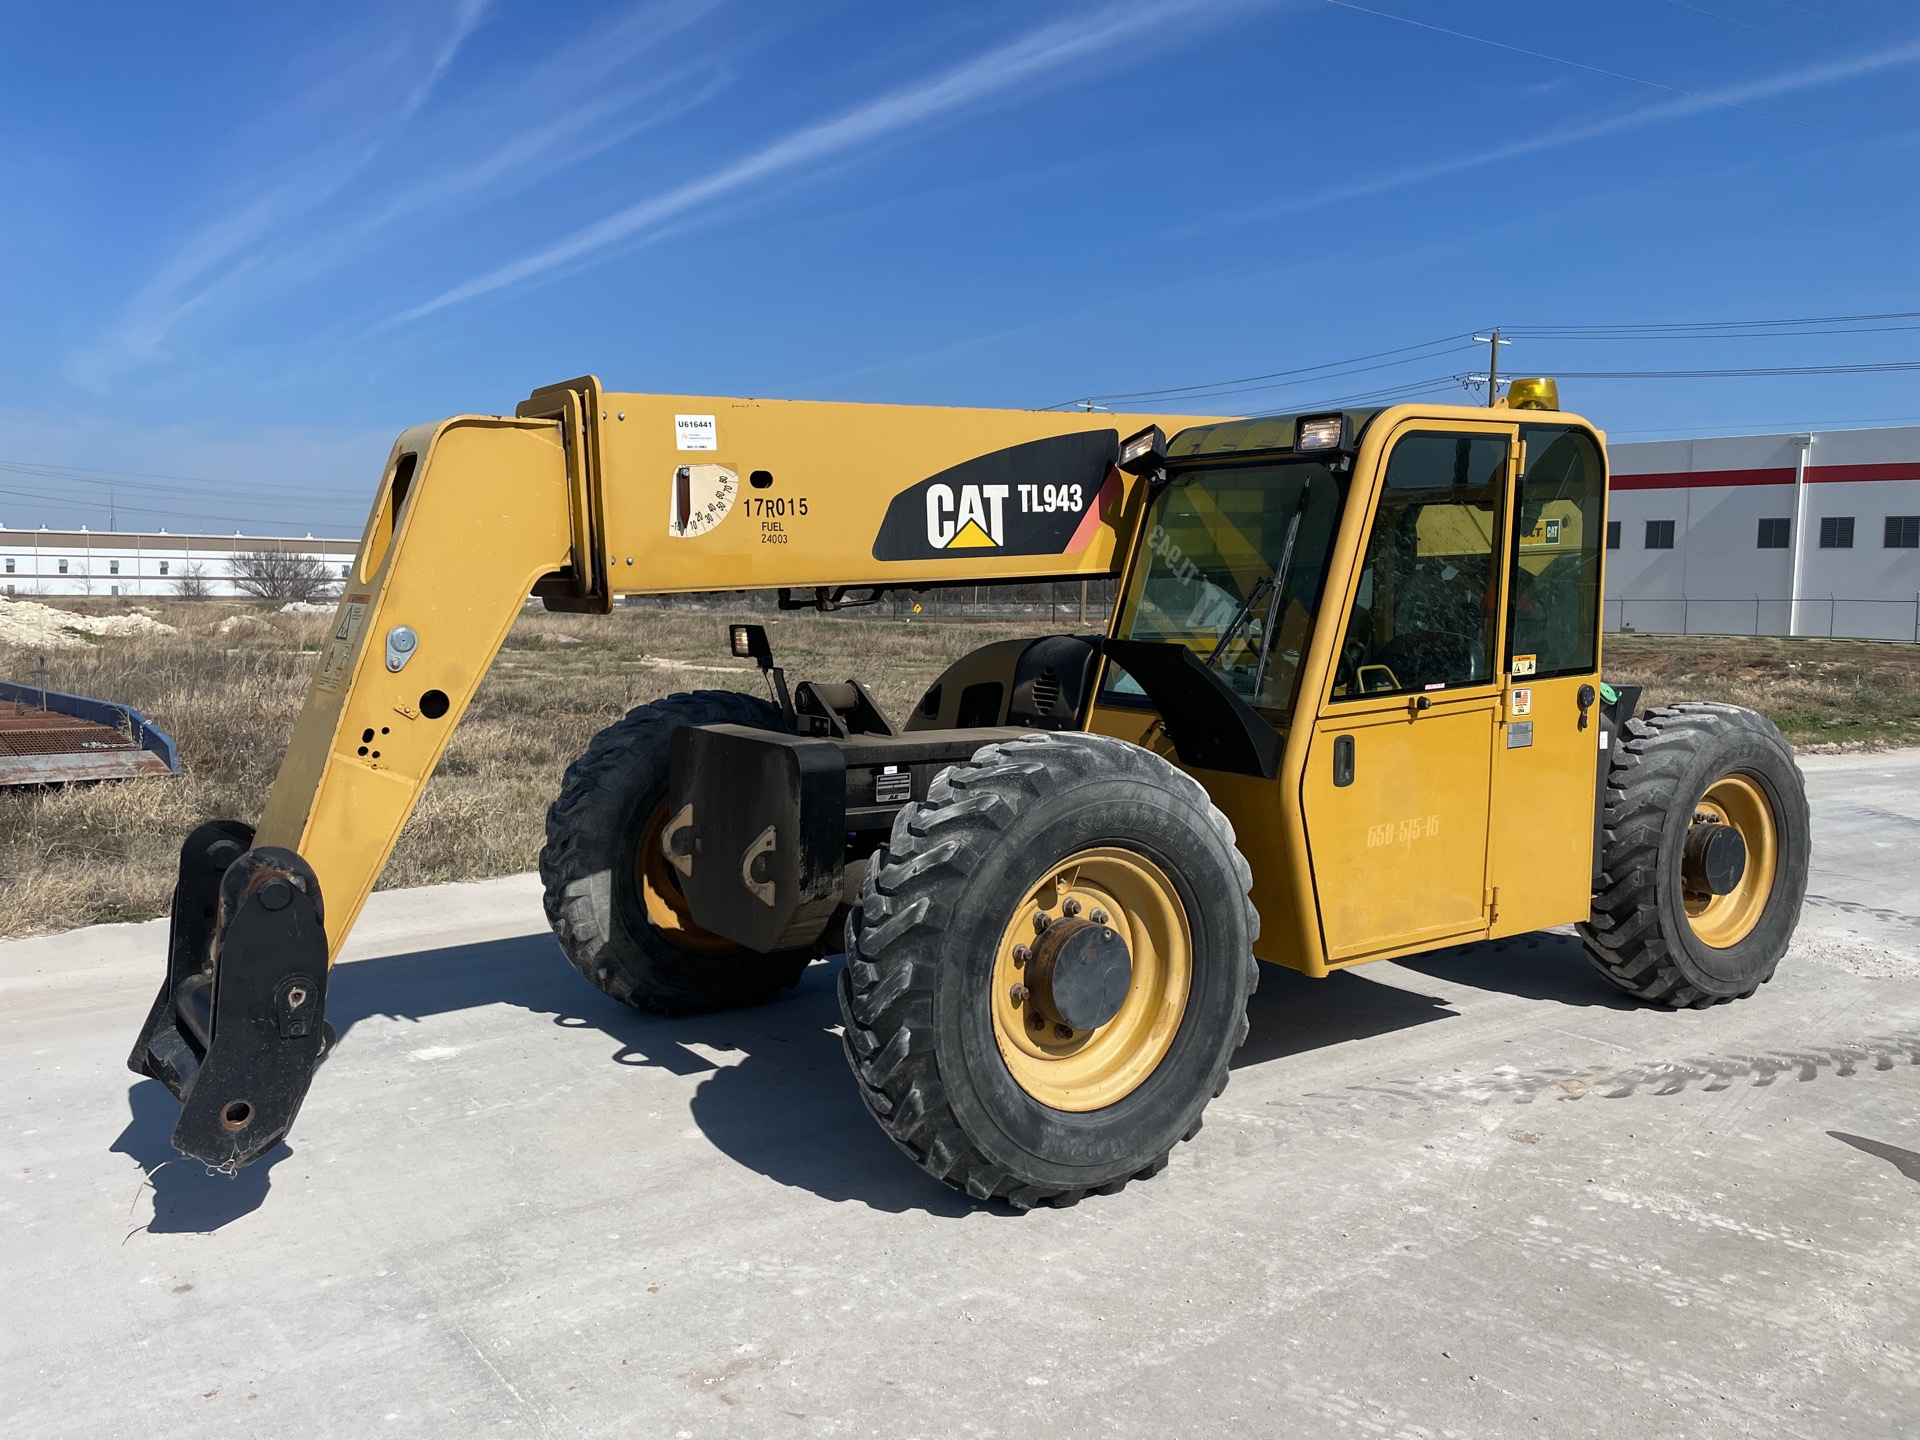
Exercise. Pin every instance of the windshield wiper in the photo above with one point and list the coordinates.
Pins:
(1260, 587)
(1279, 578)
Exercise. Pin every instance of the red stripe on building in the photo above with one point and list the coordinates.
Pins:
(1701, 479)
(1836, 474)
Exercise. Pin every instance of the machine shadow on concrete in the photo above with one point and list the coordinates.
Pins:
(788, 1109)
(187, 1197)
(1546, 965)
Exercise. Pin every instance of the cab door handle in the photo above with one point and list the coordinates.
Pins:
(1342, 760)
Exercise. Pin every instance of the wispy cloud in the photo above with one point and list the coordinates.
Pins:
(1214, 277)
(298, 186)
(310, 209)
(1808, 77)
(981, 80)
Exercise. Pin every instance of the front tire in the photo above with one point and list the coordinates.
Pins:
(613, 901)
(980, 1090)
(1655, 934)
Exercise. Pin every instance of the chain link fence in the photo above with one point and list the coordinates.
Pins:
(1067, 602)
(1833, 616)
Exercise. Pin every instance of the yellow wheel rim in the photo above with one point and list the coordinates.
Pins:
(660, 888)
(1090, 1069)
(1723, 921)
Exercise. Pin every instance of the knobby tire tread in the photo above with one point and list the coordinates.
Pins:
(886, 989)
(583, 826)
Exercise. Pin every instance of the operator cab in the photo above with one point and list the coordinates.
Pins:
(1402, 608)
(1241, 535)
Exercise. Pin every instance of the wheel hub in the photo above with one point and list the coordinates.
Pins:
(1079, 974)
(1091, 978)
(1714, 860)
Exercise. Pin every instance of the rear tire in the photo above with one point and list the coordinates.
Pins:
(927, 964)
(611, 899)
(1646, 935)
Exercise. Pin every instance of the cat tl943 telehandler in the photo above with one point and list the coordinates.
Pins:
(1349, 707)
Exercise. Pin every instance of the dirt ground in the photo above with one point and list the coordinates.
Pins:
(227, 680)
(1823, 694)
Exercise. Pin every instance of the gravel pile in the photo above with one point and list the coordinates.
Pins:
(32, 626)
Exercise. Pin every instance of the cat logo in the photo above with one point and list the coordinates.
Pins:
(1049, 496)
(974, 519)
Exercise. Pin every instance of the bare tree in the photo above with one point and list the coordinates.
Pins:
(281, 575)
(193, 583)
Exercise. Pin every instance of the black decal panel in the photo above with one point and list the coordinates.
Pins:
(1044, 497)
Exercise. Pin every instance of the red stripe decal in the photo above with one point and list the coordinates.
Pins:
(1107, 497)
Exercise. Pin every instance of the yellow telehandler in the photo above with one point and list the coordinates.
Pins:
(1349, 707)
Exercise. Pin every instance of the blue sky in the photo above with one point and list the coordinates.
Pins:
(242, 246)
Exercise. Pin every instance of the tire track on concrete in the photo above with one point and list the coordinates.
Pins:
(1661, 1077)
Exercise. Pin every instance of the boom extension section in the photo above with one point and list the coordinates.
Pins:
(579, 498)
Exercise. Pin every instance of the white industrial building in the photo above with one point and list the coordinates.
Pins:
(118, 562)
(1809, 534)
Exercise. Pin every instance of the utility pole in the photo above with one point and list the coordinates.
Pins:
(1493, 343)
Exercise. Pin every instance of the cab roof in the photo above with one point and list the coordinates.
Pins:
(1262, 432)
(1271, 434)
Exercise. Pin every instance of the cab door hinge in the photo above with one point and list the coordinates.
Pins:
(1491, 903)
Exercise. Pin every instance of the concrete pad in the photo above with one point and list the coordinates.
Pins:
(1476, 1195)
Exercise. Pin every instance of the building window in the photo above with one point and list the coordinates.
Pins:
(10, 566)
(345, 571)
(163, 567)
(113, 568)
(1903, 533)
(1659, 534)
(63, 567)
(1836, 532)
(1613, 534)
(1773, 534)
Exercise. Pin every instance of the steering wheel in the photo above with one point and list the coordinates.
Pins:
(1421, 653)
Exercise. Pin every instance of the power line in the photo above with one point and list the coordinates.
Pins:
(1885, 367)
(108, 479)
(1621, 75)
(1776, 35)
(1330, 369)
(1545, 333)
(229, 518)
(1831, 19)
(1709, 326)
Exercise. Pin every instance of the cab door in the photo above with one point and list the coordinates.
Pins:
(1547, 746)
(1399, 773)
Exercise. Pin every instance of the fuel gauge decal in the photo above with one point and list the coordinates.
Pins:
(702, 497)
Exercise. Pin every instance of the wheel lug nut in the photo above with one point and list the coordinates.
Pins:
(1070, 906)
(1064, 1032)
(1018, 994)
(1099, 917)
(1040, 921)
(1021, 954)
(1036, 1022)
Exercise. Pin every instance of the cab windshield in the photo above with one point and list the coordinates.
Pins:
(1233, 567)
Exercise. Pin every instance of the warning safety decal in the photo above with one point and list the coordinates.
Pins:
(1045, 497)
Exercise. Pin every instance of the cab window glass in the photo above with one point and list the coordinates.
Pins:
(1424, 614)
(1553, 605)
(1233, 567)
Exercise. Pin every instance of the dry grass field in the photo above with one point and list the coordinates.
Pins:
(228, 680)
(1823, 694)
(227, 683)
